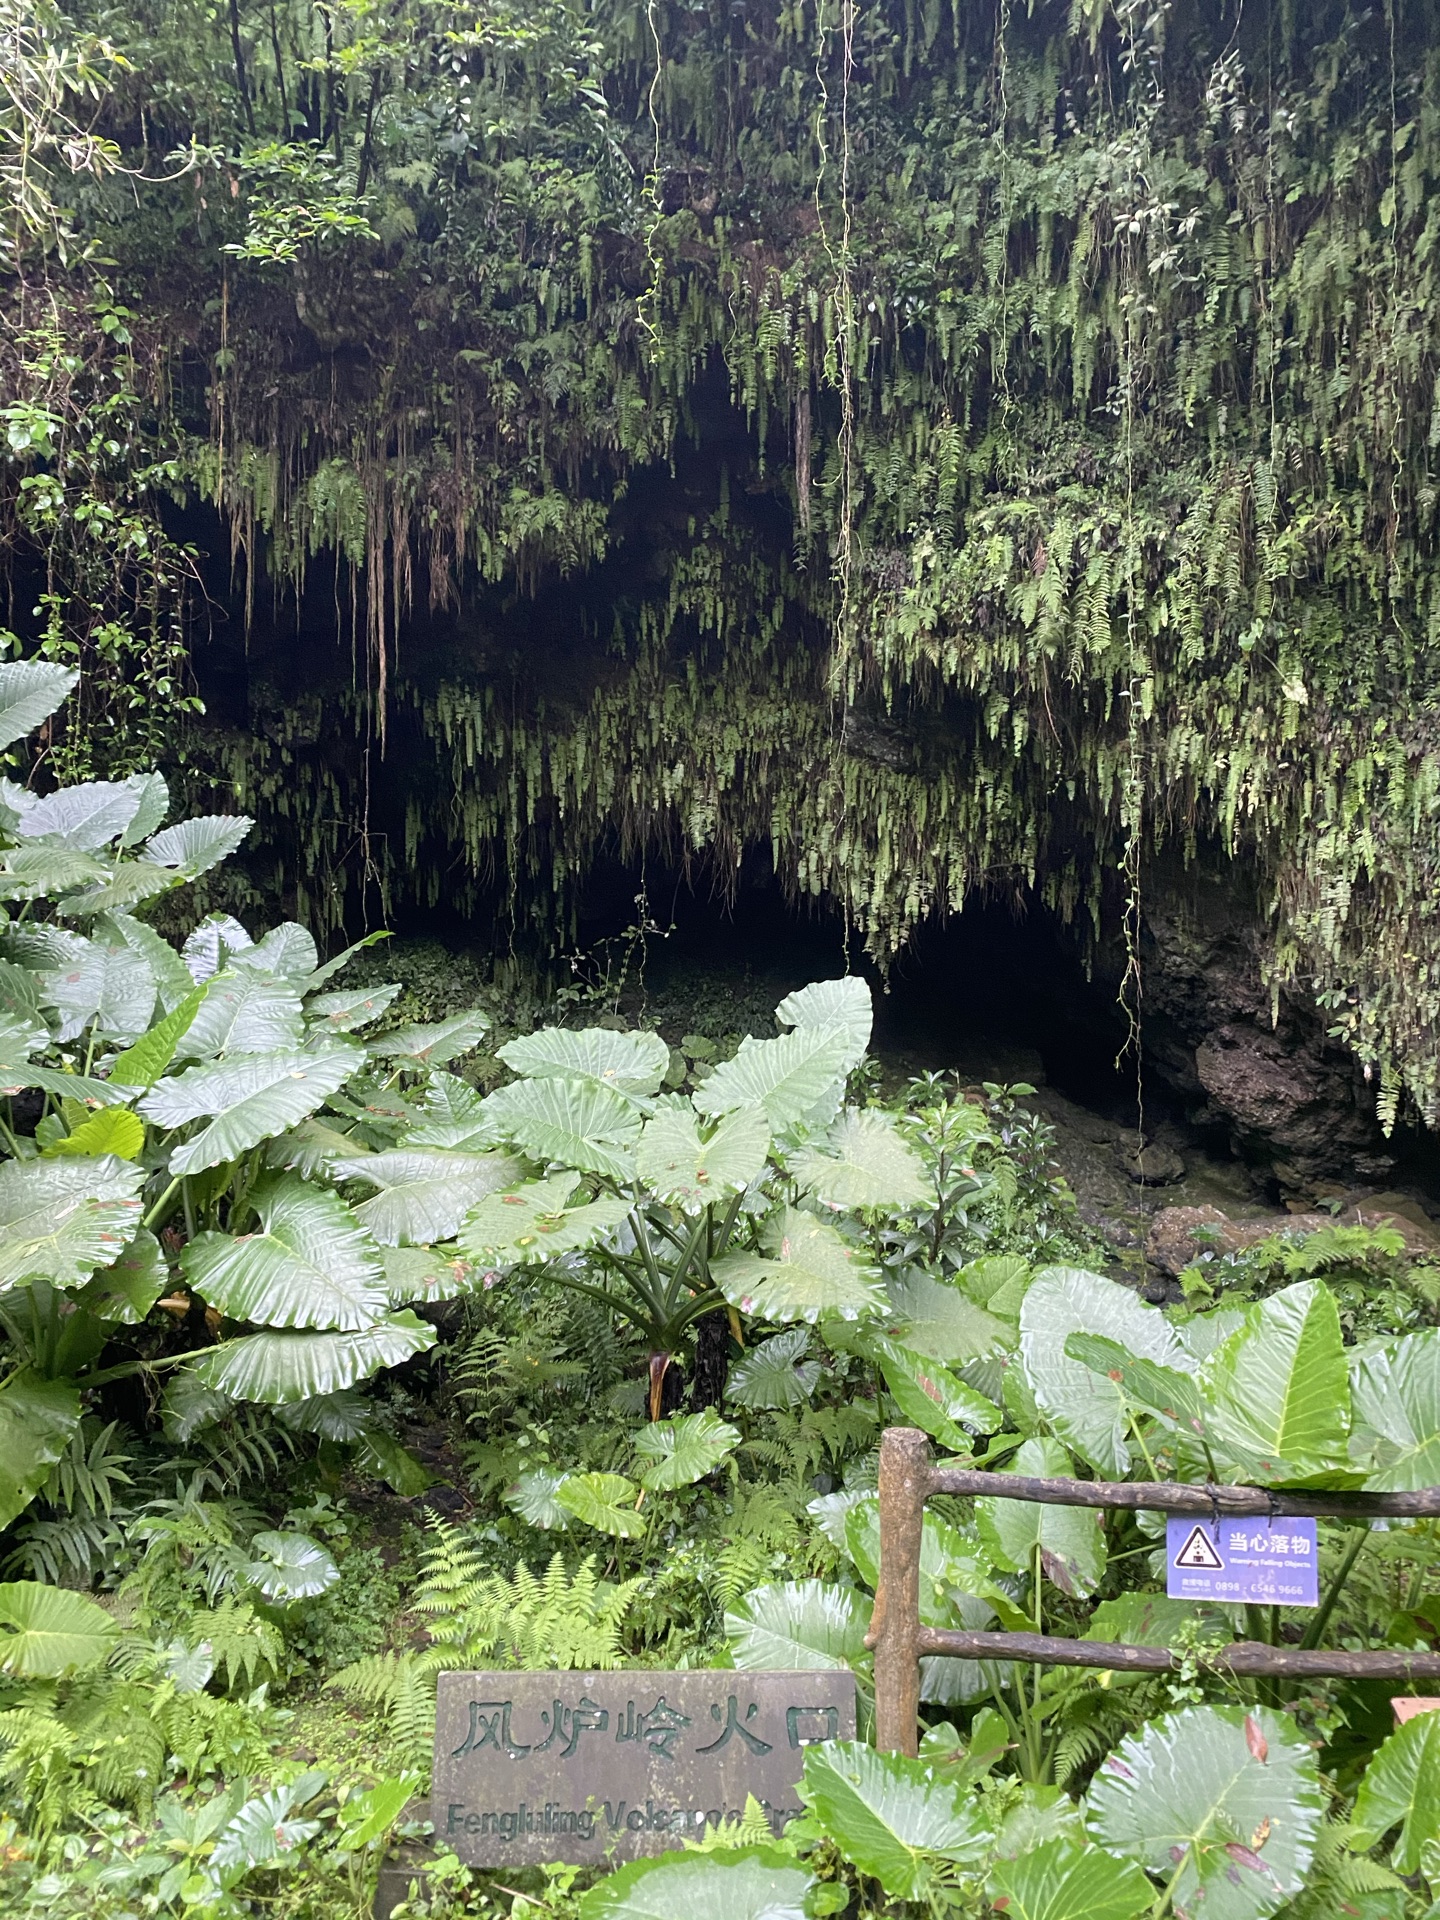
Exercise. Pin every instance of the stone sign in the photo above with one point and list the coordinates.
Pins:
(590, 1767)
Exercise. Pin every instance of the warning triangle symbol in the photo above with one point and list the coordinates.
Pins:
(1199, 1551)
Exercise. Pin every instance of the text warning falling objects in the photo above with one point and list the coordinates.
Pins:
(1257, 1561)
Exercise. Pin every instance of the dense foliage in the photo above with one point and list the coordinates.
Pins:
(1049, 396)
(682, 1289)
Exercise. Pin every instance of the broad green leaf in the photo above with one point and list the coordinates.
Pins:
(344, 1416)
(433, 1045)
(1145, 1384)
(309, 1148)
(188, 1406)
(143, 1064)
(843, 1007)
(569, 1123)
(355, 1007)
(113, 1130)
(290, 1566)
(632, 1063)
(895, 1818)
(1071, 1540)
(535, 1223)
(124, 1292)
(310, 1265)
(1278, 1391)
(124, 930)
(937, 1318)
(1154, 1620)
(30, 691)
(132, 883)
(45, 871)
(60, 1219)
(864, 1165)
(602, 1500)
(328, 969)
(1401, 1788)
(686, 1172)
(808, 1273)
(217, 939)
(243, 1012)
(287, 952)
(37, 1418)
(929, 1395)
(424, 1192)
(192, 847)
(1231, 1834)
(956, 1577)
(246, 1100)
(797, 1079)
(534, 1497)
(369, 1816)
(776, 1373)
(46, 1632)
(741, 1883)
(420, 1273)
(381, 1454)
(684, 1449)
(1060, 1881)
(266, 1828)
(1395, 1393)
(19, 993)
(798, 1624)
(86, 817)
(276, 1368)
(1085, 1408)
(453, 1115)
(153, 806)
(114, 987)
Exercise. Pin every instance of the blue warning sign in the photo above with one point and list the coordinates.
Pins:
(1270, 1562)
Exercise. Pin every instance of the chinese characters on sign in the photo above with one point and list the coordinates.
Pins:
(1265, 1562)
(532, 1767)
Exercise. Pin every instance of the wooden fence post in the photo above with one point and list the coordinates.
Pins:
(895, 1625)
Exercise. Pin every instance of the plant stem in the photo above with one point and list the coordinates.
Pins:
(162, 1203)
(1312, 1634)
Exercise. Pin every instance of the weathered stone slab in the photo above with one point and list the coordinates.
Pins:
(585, 1767)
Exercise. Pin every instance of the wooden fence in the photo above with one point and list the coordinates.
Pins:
(900, 1641)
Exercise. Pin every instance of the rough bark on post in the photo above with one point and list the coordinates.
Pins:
(895, 1625)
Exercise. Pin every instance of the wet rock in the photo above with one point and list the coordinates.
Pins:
(1175, 1237)
(1151, 1164)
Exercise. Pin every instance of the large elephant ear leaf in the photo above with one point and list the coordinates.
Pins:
(424, 1192)
(535, 1222)
(46, 1632)
(931, 1397)
(435, 1044)
(61, 1219)
(743, 1883)
(684, 1450)
(1401, 1789)
(246, 1100)
(897, 1819)
(1224, 1805)
(776, 1373)
(37, 1418)
(124, 1292)
(1069, 1540)
(311, 1264)
(842, 1007)
(865, 1164)
(1087, 1409)
(570, 1123)
(1395, 1400)
(633, 1063)
(605, 1501)
(276, 1368)
(86, 817)
(1278, 1391)
(30, 691)
(686, 1172)
(808, 1273)
(1058, 1880)
(798, 1079)
(192, 847)
(243, 1012)
(797, 1624)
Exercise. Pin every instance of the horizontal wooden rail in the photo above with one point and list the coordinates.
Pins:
(908, 1480)
(1244, 1657)
(1169, 1496)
